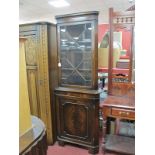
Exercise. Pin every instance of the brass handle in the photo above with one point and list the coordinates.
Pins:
(124, 113)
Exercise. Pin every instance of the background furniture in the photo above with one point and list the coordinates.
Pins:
(77, 97)
(40, 48)
(34, 141)
(120, 103)
(118, 21)
(119, 108)
(32, 131)
(24, 105)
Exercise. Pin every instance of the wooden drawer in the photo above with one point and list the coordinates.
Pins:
(123, 113)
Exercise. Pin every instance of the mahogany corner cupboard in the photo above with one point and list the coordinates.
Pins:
(77, 97)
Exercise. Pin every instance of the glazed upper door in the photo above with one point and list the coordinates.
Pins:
(76, 54)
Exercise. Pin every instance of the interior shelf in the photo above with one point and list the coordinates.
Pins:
(120, 144)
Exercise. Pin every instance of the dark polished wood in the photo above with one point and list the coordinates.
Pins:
(77, 112)
(120, 102)
(123, 89)
(77, 17)
(115, 105)
(41, 59)
(77, 98)
(120, 108)
(70, 20)
(131, 54)
(34, 141)
(110, 60)
(117, 21)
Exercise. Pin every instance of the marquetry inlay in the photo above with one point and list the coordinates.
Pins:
(31, 58)
(44, 78)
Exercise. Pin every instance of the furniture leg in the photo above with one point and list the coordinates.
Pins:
(104, 132)
(93, 151)
(61, 143)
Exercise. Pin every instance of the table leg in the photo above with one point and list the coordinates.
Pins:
(104, 132)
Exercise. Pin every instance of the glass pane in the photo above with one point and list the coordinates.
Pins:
(75, 54)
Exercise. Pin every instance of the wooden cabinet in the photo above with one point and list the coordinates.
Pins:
(77, 117)
(77, 98)
(40, 46)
